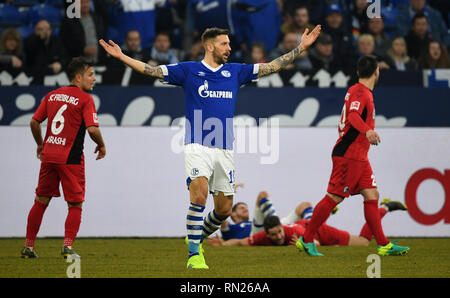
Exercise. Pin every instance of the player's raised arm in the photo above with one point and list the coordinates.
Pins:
(114, 50)
(308, 38)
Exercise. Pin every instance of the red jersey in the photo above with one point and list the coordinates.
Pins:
(297, 229)
(351, 143)
(69, 111)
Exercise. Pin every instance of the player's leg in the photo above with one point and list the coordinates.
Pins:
(222, 210)
(340, 185)
(373, 219)
(34, 221)
(366, 232)
(263, 208)
(304, 210)
(198, 169)
(73, 185)
(48, 187)
(222, 186)
(198, 193)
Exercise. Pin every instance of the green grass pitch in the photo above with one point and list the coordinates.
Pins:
(166, 258)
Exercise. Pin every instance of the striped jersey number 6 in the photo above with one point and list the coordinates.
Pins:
(59, 118)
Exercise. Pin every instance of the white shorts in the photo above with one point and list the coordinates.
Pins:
(216, 164)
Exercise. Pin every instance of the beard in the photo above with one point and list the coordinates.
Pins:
(219, 58)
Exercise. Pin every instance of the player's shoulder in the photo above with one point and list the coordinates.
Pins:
(359, 90)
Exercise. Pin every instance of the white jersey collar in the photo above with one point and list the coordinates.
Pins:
(210, 67)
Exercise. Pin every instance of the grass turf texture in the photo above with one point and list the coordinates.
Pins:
(147, 257)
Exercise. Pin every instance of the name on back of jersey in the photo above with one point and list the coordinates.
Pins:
(56, 140)
(64, 98)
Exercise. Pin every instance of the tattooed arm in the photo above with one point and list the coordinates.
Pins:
(139, 66)
(283, 61)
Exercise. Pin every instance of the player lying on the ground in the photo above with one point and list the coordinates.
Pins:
(287, 231)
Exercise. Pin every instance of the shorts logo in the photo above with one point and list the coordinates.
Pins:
(346, 189)
(226, 73)
(355, 105)
(194, 172)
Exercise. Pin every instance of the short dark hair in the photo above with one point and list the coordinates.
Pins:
(270, 222)
(213, 33)
(76, 66)
(366, 66)
(418, 15)
(236, 205)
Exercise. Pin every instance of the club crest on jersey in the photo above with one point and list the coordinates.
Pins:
(204, 92)
(226, 73)
(95, 117)
(194, 172)
(355, 105)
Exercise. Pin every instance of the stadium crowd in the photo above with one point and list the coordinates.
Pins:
(43, 35)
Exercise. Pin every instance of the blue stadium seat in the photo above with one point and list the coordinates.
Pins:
(25, 3)
(56, 3)
(44, 11)
(25, 31)
(10, 16)
(397, 3)
(389, 14)
(112, 34)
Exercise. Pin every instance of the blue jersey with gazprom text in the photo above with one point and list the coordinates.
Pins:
(210, 95)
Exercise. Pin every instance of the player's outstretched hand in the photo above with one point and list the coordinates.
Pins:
(308, 38)
(101, 152)
(112, 48)
(373, 137)
(215, 241)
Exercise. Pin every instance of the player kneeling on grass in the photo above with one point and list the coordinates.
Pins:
(288, 230)
(70, 112)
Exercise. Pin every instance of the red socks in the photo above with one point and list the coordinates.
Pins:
(366, 232)
(373, 220)
(72, 225)
(320, 214)
(34, 222)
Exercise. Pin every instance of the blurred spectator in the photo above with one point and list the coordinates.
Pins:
(137, 15)
(366, 46)
(256, 20)
(382, 41)
(196, 52)
(342, 40)
(436, 25)
(417, 38)
(257, 54)
(80, 35)
(397, 56)
(358, 17)
(298, 23)
(132, 47)
(436, 56)
(161, 53)
(321, 56)
(45, 52)
(316, 8)
(443, 6)
(289, 43)
(11, 48)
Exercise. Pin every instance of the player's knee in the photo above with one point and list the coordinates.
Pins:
(75, 204)
(300, 208)
(223, 212)
(43, 200)
(261, 195)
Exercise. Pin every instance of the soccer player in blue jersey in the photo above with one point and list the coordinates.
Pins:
(210, 87)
